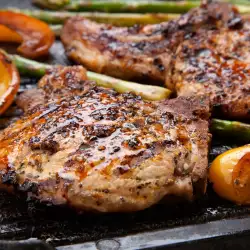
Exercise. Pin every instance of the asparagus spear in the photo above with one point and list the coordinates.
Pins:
(118, 19)
(146, 6)
(242, 2)
(54, 4)
(29, 67)
(148, 92)
(231, 128)
(243, 9)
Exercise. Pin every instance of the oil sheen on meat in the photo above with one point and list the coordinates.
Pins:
(94, 149)
(176, 52)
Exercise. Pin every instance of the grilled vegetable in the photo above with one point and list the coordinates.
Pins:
(147, 92)
(230, 175)
(9, 82)
(120, 6)
(7, 35)
(29, 67)
(130, 6)
(242, 2)
(34, 35)
(153, 93)
(231, 128)
(117, 19)
(52, 4)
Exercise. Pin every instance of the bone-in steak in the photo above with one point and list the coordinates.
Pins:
(94, 149)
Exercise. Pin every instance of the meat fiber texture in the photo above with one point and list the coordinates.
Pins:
(204, 52)
(94, 149)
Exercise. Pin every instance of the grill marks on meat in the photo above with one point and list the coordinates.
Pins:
(59, 83)
(97, 150)
(199, 69)
(171, 52)
(140, 52)
(119, 52)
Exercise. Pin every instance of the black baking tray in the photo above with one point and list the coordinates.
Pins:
(208, 223)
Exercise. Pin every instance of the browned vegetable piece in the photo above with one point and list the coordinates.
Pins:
(9, 82)
(35, 36)
(241, 179)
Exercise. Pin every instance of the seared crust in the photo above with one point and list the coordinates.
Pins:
(141, 53)
(168, 52)
(59, 83)
(207, 65)
(97, 150)
(127, 53)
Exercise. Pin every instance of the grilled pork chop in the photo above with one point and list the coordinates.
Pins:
(150, 52)
(139, 52)
(199, 69)
(94, 149)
